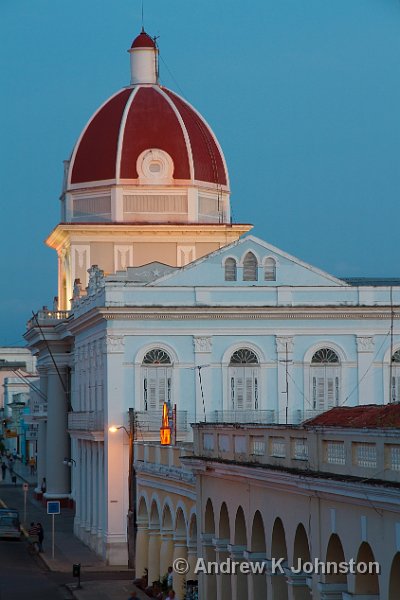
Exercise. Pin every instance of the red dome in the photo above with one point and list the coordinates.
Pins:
(143, 40)
(141, 118)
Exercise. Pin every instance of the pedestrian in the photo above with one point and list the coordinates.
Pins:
(3, 470)
(32, 464)
(33, 534)
(170, 576)
(43, 486)
(40, 531)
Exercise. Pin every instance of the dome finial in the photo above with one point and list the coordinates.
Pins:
(144, 59)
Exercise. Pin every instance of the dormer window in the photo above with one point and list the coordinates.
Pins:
(269, 269)
(250, 267)
(230, 269)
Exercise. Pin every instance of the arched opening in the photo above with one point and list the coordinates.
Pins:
(239, 580)
(224, 532)
(258, 548)
(269, 269)
(244, 380)
(366, 582)
(142, 512)
(230, 269)
(167, 519)
(301, 555)
(325, 379)
(395, 383)
(394, 582)
(156, 379)
(180, 524)
(279, 549)
(335, 555)
(154, 516)
(250, 267)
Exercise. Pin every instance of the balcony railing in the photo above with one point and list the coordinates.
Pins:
(242, 416)
(47, 317)
(39, 410)
(86, 420)
(150, 421)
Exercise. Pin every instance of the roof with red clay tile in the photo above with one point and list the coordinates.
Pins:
(370, 416)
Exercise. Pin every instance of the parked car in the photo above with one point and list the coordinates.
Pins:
(10, 526)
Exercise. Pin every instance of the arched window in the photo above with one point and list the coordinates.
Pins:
(230, 269)
(250, 270)
(156, 378)
(395, 395)
(325, 378)
(269, 269)
(243, 379)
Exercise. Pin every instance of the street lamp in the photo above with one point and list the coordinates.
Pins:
(131, 487)
(69, 462)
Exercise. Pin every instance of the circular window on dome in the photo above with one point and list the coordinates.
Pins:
(155, 166)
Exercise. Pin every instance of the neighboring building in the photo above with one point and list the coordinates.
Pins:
(162, 299)
(17, 368)
(328, 490)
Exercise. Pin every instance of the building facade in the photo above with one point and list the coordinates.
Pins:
(163, 299)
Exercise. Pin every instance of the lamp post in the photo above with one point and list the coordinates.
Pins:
(131, 517)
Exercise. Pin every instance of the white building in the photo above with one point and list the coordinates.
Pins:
(170, 303)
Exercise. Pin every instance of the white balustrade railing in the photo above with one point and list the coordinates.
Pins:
(86, 420)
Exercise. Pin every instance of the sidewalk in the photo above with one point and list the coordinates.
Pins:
(68, 549)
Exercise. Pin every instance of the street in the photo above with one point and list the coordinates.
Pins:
(24, 576)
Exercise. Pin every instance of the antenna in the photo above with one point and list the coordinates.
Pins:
(142, 15)
(392, 396)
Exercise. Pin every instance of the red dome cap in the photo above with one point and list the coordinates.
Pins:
(141, 118)
(143, 40)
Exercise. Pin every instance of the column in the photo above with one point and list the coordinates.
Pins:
(101, 495)
(41, 455)
(42, 432)
(365, 355)
(95, 494)
(142, 545)
(83, 497)
(89, 495)
(116, 454)
(166, 552)
(58, 447)
(77, 486)
(153, 559)
(192, 561)
(208, 583)
(257, 581)
(239, 581)
(179, 579)
(224, 591)
(284, 351)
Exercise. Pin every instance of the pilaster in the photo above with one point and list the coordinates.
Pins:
(365, 355)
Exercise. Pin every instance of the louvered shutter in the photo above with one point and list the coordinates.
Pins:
(239, 392)
(330, 389)
(161, 385)
(249, 390)
(152, 389)
(321, 393)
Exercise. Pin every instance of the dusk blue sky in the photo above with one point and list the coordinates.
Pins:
(304, 97)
